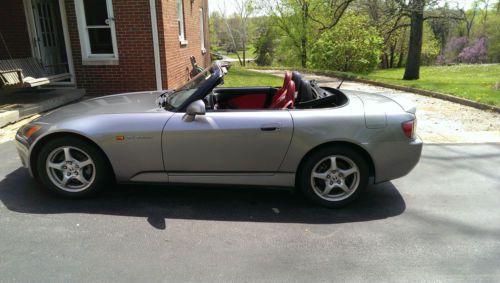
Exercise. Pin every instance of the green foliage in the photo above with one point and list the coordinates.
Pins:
(494, 38)
(265, 43)
(431, 47)
(286, 55)
(351, 46)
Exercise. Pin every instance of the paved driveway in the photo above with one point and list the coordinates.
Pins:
(440, 223)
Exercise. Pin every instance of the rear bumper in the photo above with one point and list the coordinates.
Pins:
(393, 160)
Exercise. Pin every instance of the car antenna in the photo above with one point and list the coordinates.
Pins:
(343, 79)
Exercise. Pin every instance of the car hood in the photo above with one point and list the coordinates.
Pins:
(137, 102)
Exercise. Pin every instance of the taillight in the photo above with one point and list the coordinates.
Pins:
(409, 128)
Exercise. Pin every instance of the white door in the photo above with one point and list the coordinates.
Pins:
(50, 40)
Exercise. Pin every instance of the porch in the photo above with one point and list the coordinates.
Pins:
(21, 103)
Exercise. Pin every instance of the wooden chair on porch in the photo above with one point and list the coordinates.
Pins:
(26, 72)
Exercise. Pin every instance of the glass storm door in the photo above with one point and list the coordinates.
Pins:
(49, 35)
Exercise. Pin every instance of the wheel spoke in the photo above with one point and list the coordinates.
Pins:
(82, 179)
(321, 176)
(65, 180)
(327, 190)
(349, 172)
(67, 154)
(84, 163)
(333, 164)
(344, 188)
(57, 166)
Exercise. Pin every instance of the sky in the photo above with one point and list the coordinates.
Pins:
(213, 5)
(229, 5)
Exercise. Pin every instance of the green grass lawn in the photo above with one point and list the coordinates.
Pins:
(249, 54)
(474, 82)
(238, 76)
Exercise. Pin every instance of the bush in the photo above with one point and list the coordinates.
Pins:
(477, 53)
(351, 46)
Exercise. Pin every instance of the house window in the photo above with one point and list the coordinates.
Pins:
(97, 31)
(202, 31)
(180, 22)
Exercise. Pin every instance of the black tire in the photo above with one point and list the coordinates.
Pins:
(315, 161)
(99, 169)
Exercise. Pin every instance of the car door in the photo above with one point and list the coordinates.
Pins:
(227, 141)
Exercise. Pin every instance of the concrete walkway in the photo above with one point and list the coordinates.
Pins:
(439, 121)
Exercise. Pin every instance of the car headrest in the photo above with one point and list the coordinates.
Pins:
(305, 91)
(296, 78)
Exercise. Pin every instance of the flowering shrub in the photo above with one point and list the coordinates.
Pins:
(476, 53)
(459, 50)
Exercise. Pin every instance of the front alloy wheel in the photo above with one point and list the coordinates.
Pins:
(72, 167)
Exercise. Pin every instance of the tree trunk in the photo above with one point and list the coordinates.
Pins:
(402, 49)
(412, 71)
(303, 41)
(244, 54)
(391, 56)
(383, 62)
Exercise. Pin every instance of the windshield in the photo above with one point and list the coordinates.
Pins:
(180, 95)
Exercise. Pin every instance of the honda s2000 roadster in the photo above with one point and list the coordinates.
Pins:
(326, 143)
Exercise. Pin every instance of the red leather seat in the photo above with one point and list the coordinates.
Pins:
(285, 97)
(290, 95)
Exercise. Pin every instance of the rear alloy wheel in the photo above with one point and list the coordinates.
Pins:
(72, 168)
(333, 177)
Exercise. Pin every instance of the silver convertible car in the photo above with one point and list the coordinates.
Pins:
(326, 143)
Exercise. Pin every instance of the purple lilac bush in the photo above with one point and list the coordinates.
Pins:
(476, 53)
(460, 50)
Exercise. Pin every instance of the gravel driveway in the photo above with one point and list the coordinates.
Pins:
(439, 121)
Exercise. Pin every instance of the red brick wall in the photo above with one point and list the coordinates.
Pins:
(135, 70)
(175, 57)
(14, 30)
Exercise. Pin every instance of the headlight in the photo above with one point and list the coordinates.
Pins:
(28, 130)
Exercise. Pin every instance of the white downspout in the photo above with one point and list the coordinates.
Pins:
(156, 44)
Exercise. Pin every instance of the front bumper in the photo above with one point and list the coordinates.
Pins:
(22, 147)
(394, 160)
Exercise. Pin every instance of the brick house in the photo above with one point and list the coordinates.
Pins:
(109, 46)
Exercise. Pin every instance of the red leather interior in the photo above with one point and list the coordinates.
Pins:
(270, 98)
(248, 101)
(285, 98)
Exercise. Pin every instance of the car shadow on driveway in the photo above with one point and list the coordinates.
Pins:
(20, 193)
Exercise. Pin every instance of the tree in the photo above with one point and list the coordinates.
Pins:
(237, 26)
(414, 9)
(302, 20)
(265, 42)
(358, 51)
